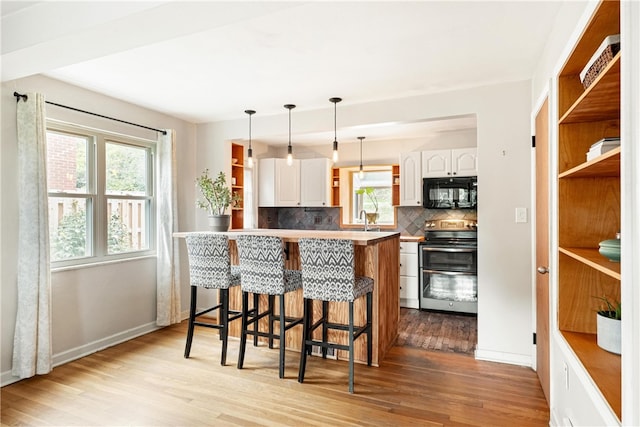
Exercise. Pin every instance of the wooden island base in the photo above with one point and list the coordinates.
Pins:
(377, 255)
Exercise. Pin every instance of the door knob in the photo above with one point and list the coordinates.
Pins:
(543, 270)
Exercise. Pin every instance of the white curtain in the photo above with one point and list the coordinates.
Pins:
(167, 276)
(32, 339)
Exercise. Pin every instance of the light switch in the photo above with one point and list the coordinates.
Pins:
(521, 214)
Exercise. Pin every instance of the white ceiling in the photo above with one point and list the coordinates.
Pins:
(207, 61)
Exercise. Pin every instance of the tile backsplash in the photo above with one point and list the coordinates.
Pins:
(410, 219)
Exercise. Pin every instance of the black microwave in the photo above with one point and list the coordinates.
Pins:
(450, 193)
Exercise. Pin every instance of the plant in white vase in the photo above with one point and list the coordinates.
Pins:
(372, 217)
(216, 198)
(608, 323)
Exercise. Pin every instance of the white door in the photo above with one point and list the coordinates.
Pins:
(436, 163)
(410, 179)
(315, 176)
(287, 183)
(464, 161)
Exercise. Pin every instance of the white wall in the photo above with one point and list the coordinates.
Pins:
(556, 47)
(92, 307)
(382, 152)
(503, 139)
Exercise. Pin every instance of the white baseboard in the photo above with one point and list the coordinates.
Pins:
(76, 353)
(498, 356)
(409, 303)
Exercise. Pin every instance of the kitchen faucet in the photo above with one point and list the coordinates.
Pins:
(366, 225)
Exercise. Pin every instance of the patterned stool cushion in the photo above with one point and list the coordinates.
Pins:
(209, 261)
(262, 266)
(328, 271)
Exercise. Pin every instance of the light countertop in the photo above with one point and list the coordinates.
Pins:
(362, 238)
(406, 238)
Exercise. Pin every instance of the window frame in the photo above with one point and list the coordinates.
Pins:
(96, 195)
(351, 205)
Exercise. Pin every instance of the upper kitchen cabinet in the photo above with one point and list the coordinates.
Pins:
(304, 183)
(315, 189)
(443, 163)
(410, 179)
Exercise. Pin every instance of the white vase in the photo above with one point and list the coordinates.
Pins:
(219, 222)
(609, 334)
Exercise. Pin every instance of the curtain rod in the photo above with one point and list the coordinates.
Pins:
(25, 97)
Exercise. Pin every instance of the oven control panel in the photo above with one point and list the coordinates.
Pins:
(451, 224)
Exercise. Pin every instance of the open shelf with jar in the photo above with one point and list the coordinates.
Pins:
(237, 185)
(589, 201)
(395, 185)
(335, 187)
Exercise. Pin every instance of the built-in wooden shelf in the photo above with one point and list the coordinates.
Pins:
(395, 185)
(589, 202)
(603, 367)
(608, 164)
(594, 259)
(601, 100)
(237, 185)
(335, 187)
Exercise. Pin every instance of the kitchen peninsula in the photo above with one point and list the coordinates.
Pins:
(376, 256)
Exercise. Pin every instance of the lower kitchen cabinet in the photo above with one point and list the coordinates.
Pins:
(409, 295)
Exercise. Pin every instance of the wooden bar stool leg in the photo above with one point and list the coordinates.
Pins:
(224, 330)
(283, 332)
(306, 326)
(256, 307)
(369, 327)
(271, 318)
(351, 347)
(243, 332)
(192, 318)
(325, 329)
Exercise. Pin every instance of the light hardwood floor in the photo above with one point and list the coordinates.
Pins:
(146, 381)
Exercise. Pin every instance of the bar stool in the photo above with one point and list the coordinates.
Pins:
(210, 268)
(328, 274)
(263, 273)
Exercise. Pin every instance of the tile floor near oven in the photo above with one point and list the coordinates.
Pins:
(431, 330)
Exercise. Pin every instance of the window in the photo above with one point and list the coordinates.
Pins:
(372, 193)
(100, 195)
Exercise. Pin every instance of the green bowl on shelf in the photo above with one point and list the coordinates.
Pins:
(610, 249)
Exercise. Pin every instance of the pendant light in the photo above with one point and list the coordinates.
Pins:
(335, 131)
(250, 150)
(361, 173)
(289, 148)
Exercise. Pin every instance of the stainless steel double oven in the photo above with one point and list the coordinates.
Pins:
(449, 266)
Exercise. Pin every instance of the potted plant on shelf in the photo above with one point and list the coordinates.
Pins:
(372, 217)
(216, 199)
(608, 325)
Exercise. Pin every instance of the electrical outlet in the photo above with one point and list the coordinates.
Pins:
(521, 214)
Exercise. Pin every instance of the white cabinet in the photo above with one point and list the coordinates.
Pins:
(278, 183)
(304, 183)
(409, 283)
(315, 176)
(287, 183)
(410, 179)
(455, 162)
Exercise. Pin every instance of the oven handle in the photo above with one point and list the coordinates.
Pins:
(450, 273)
(437, 249)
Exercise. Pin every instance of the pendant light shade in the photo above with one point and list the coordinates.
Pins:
(335, 131)
(250, 150)
(361, 173)
(289, 148)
